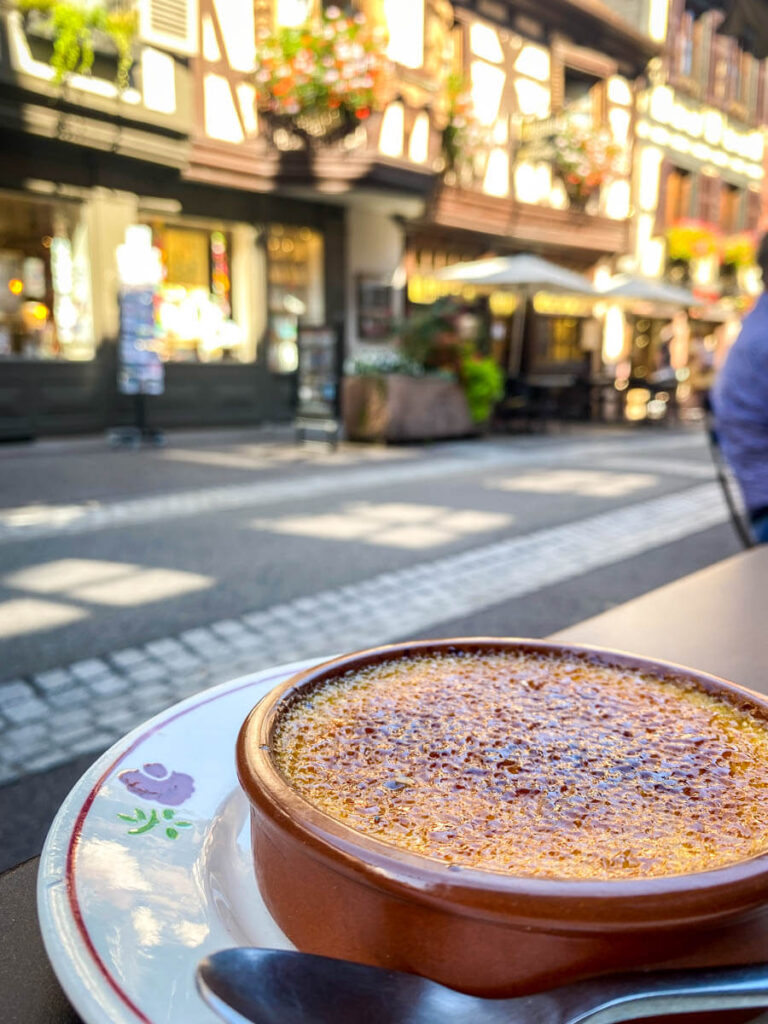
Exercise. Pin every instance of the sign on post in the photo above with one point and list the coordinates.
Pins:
(319, 379)
(141, 370)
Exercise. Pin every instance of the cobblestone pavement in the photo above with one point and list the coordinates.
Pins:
(55, 716)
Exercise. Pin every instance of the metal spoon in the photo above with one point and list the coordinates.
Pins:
(268, 986)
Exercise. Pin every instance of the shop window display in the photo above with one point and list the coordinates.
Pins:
(194, 307)
(557, 343)
(45, 281)
(296, 292)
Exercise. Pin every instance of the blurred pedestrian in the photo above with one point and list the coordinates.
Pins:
(740, 403)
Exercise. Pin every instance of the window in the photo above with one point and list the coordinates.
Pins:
(201, 313)
(292, 13)
(296, 291)
(730, 208)
(584, 96)
(405, 27)
(556, 341)
(45, 280)
(677, 201)
(683, 43)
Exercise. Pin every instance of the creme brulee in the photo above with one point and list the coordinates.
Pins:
(545, 765)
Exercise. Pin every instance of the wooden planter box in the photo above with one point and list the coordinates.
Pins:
(394, 407)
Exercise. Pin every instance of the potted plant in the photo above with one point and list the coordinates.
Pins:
(483, 383)
(75, 27)
(321, 80)
(433, 384)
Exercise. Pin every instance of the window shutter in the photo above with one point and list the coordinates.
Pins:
(749, 84)
(661, 225)
(734, 71)
(754, 209)
(762, 92)
(170, 25)
(674, 24)
(742, 211)
(720, 69)
(711, 54)
(702, 196)
(700, 70)
(709, 198)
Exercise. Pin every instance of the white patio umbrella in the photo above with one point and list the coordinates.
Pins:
(526, 274)
(642, 289)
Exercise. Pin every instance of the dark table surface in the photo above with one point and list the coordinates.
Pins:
(713, 620)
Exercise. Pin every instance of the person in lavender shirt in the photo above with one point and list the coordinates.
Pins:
(740, 405)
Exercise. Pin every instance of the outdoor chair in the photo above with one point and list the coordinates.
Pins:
(728, 483)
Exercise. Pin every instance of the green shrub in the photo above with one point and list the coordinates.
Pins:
(483, 384)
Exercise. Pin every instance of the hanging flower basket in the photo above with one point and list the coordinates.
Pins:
(739, 250)
(583, 157)
(319, 125)
(320, 81)
(692, 240)
(579, 192)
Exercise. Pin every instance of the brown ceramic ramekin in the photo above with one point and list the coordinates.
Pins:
(337, 892)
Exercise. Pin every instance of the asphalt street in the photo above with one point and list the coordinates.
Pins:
(103, 551)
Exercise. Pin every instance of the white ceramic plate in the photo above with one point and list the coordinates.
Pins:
(147, 866)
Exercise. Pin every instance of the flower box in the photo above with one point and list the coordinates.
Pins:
(397, 407)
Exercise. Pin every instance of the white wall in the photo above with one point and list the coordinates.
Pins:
(375, 247)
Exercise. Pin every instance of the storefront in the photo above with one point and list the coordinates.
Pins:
(45, 281)
(242, 274)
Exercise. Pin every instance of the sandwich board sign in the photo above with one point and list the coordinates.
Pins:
(141, 371)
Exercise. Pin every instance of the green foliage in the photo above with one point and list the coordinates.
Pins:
(386, 361)
(146, 824)
(483, 384)
(73, 23)
(422, 335)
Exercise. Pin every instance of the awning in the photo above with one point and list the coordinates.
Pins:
(524, 272)
(745, 20)
(643, 289)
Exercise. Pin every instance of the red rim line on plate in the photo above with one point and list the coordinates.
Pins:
(74, 903)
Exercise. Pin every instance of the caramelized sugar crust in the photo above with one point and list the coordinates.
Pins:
(541, 765)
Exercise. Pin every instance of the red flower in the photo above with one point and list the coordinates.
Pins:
(362, 113)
